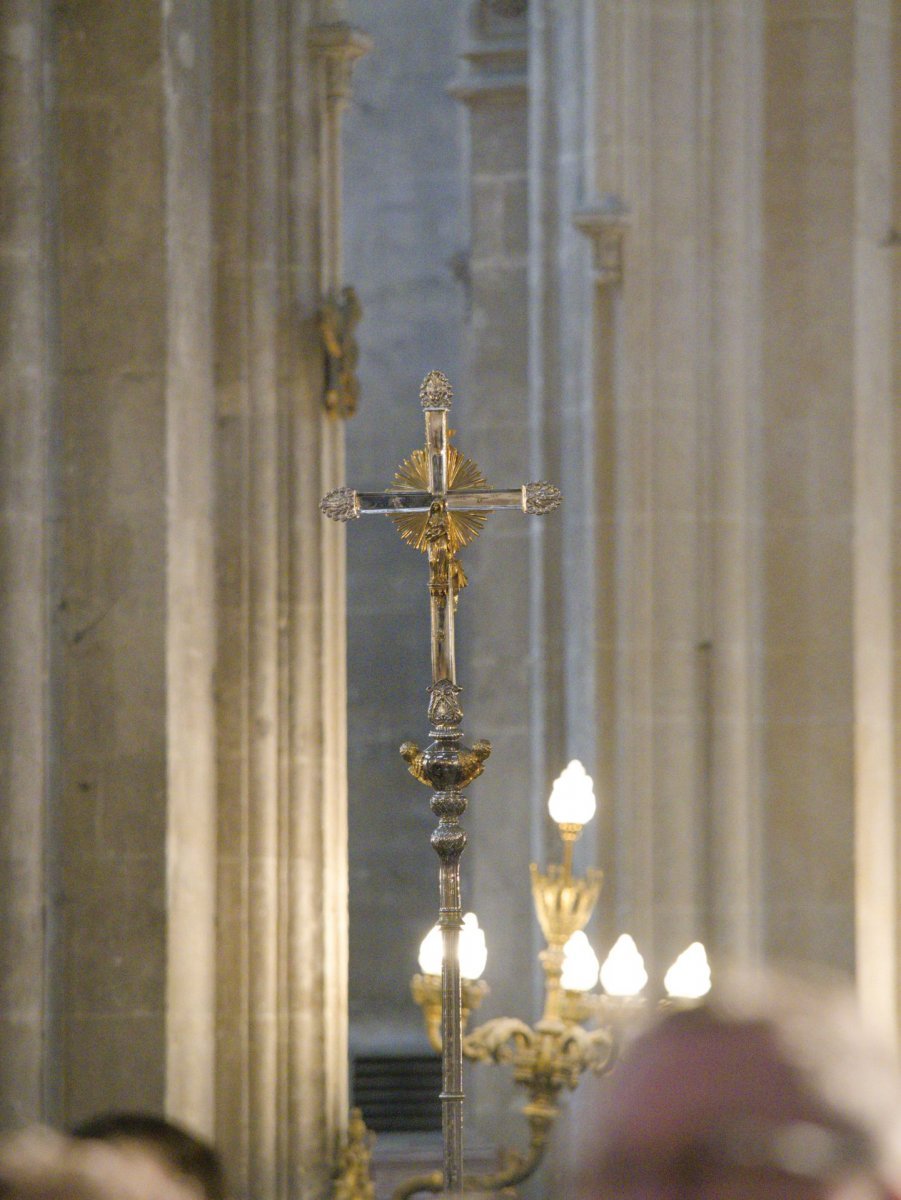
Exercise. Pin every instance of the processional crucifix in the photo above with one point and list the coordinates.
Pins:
(439, 502)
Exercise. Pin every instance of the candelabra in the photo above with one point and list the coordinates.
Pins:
(553, 1054)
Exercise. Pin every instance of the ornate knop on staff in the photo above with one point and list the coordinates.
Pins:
(440, 502)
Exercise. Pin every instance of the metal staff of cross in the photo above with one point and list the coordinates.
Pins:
(439, 502)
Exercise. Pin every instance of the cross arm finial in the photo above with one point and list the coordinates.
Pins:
(436, 392)
(342, 504)
(540, 498)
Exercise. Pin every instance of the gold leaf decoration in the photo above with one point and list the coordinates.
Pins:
(462, 476)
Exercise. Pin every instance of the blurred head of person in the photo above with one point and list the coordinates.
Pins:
(40, 1164)
(183, 1152)
(769, 1090)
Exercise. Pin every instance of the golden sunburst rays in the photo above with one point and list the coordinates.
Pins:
(462, 476)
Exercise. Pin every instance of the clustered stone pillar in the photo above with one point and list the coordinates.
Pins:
(173, 802)
(495, 651)
(714, 621)
(27, 392)
(877, 476)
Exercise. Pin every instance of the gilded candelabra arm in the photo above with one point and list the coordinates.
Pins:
(426, 991)
(545, 1059)
(500, 1040)
(515, 1167)
(577, 1050)
(432, 1181)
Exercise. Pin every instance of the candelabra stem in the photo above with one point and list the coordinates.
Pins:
(568, 844)
(552, 962)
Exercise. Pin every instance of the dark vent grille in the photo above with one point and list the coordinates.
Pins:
(398, 1094)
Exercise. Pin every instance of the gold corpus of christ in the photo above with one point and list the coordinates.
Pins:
(462, 475)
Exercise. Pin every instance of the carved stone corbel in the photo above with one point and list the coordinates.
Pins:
(606, 228)
(339, 45)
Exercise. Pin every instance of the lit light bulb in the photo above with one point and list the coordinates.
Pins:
(623, 972)
(431, 952)
(572, 799)
(473, 951)
(689, 976)
(580, 964)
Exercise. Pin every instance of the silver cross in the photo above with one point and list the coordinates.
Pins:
(440, 502)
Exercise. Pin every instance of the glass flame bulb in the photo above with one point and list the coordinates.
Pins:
(572, 799)
(473, 951)
(689, 976)
(580, 964)
(431, 952)
(623, 972)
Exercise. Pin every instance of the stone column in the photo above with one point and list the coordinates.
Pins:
(806, 446)
(495, 650)
(111, 802)
(179, 854)
(732, 689)
(877, 274)
(190, 577)
(731, 435)
(28, 391)
(282, 1007)
(648, 196)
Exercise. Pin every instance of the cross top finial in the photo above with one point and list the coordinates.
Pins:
(436, 392)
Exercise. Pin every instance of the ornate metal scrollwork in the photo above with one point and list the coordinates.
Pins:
(500, 1040)
(444, 707)
(352, 1176)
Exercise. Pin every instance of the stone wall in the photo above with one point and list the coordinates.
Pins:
(173, 802)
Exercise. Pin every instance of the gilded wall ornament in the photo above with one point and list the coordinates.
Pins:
(337, 321)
